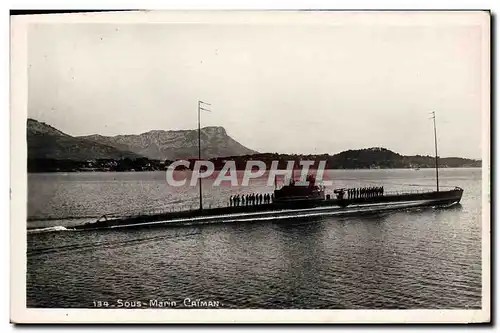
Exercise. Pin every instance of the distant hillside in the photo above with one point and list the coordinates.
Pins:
(46, 142)
(52, 150)
(370, 158)
(382, 158)
(173, 145)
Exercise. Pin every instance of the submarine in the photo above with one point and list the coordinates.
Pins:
(292, 200)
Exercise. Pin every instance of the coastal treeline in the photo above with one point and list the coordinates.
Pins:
(372, 158)
(354, 159)
(125, 164)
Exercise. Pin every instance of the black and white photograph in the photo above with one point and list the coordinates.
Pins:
(174, 166)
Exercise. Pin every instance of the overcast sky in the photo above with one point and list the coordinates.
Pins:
(290, 88)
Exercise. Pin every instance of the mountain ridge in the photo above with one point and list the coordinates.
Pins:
(48, 145)
(175, 144)
(46, 142)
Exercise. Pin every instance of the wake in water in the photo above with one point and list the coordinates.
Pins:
(49, 229)
(110, 244)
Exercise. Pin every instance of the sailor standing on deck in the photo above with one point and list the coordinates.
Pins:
(230, 201)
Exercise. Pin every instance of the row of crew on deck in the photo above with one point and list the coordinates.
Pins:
(365, 192)
(250, 199)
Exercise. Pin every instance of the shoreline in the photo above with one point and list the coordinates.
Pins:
(243, 170)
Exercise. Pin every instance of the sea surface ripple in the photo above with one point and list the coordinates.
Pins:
(410, 259)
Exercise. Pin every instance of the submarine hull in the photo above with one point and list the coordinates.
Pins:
(284, 209)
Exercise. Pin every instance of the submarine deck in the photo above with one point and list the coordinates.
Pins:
(427, 198)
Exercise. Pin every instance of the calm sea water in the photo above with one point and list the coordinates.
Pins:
(428, 258)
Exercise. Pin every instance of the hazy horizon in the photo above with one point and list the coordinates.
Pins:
(286, 88)
(271, 152)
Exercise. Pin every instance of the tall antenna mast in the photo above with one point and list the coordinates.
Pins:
(200, 103)
(436, 148)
